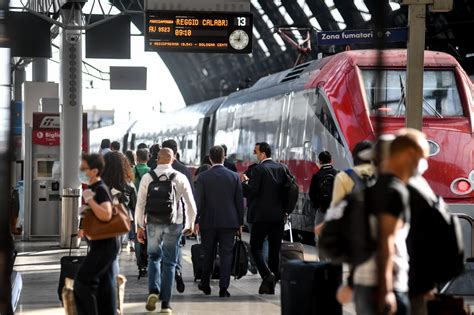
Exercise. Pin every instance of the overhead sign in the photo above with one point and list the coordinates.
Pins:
(389, 35)
(206, 32)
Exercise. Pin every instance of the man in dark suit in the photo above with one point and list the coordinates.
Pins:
(228, 164)
(180, 167)
(265, 188)
(220, 216)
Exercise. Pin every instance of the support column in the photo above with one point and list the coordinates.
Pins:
(71, 121)
(415, 65)
(20, 78)
(40, 70)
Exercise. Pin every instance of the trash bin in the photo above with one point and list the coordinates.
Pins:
(69, 217)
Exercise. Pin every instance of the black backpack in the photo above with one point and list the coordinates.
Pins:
(161, 199)
(291, 191)
(326, 185)
(346, 237)
(434, 242)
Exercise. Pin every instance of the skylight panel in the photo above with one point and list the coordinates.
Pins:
(395, 6)
(264, 47)
(315, 23)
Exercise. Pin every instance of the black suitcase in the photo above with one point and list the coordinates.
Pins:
(310, 288)
(69, 267)
(197, 258)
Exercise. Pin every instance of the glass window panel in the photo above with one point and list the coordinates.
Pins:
(440, 93)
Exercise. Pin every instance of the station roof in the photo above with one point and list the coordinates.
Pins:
(205, 76)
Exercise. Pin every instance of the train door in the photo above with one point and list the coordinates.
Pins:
(203, 137)
(297, 143)
(282, 151)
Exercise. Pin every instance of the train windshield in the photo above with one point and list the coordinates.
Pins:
(440, 93)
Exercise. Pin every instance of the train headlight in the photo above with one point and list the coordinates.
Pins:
(462, 186)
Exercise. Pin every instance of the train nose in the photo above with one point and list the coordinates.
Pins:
(463, 186)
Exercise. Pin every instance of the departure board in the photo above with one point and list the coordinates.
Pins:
(201, 32)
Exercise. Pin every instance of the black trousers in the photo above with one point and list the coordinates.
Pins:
(274, 232)
(210, 238)
(95, 283)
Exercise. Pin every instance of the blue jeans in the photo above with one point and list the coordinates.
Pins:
(163, 242)
(365, 300)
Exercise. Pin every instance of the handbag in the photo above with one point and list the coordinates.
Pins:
(96, 229)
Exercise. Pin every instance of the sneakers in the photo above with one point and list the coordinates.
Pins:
(268, 285)
(205, 289)
(151, 301)
(166, 308)
(178, 277)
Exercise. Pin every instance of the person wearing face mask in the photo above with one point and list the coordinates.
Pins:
(95, 285)
(266, 213)
(383, 278)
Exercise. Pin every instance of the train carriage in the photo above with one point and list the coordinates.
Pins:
(330, 104)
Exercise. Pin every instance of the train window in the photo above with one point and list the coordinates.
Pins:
(324, 115)
(190, 144)
(440, 93)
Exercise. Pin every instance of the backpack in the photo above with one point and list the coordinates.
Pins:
(360, 182)
(161, 199)
(434, 242)
(291, 191)
(326, 185)
(347, 237)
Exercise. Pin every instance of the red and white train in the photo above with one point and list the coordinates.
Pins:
(329, 104)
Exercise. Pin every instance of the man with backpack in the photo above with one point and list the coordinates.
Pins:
(159, 196)
(322, 184)
(180, 167)
(383, 277)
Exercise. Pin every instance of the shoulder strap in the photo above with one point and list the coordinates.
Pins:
(353, 175)
(172, 176)
(153, 175)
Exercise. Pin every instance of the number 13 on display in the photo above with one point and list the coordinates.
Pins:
(241, 21)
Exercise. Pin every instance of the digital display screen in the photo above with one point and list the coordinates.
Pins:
(207, 32)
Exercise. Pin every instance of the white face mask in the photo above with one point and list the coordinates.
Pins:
(83, 177)
(422, 166)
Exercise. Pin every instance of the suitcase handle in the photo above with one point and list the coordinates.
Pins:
(288, 221)
(70, 243)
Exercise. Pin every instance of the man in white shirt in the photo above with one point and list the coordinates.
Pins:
(164, 225)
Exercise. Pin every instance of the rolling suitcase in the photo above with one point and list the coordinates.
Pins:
(310, 288)
(197, 258)
(290, 250)
(69, 268)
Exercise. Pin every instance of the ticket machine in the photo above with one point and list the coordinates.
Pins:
(42, 178)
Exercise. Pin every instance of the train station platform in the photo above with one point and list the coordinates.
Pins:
(38, 263)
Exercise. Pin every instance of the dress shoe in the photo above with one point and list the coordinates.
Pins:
(268, 285)
(205, 289)
(224, 293)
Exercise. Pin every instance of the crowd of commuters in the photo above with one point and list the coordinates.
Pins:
(213, 206)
